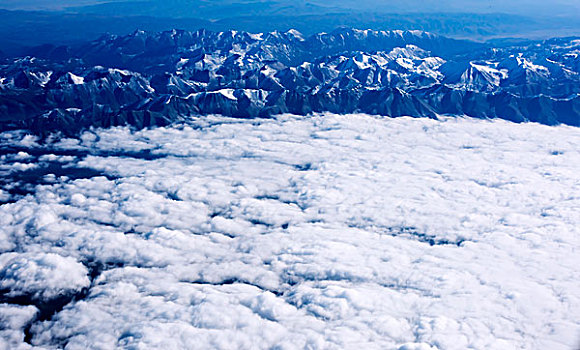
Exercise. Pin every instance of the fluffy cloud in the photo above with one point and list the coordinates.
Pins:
(13, 319)
(39, 275)
(298, 232)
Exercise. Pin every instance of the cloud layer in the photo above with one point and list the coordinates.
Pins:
(296, 232)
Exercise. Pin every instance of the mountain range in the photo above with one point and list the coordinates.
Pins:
(156, 78)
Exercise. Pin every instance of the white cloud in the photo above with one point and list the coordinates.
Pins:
(39, 275)
(13, 319)
(323, 232)
(4, 196)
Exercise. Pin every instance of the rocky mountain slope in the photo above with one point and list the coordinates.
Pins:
(156, 78)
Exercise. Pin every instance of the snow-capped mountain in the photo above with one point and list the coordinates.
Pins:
(155, 78)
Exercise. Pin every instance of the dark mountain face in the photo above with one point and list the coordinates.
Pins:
(153, 79)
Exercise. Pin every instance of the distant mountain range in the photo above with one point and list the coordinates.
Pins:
(230, 8)
(147, 78)
(72, 25)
